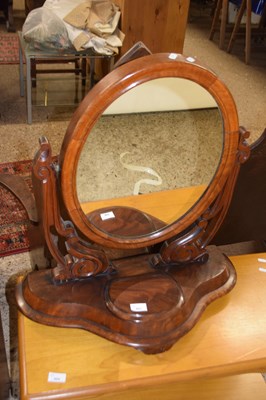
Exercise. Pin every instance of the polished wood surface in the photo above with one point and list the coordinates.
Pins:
(229, 339)
(136, 304)
(174, 277)
(159, 24)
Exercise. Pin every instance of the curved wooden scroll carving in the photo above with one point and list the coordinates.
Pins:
(79, 259)
(191, 246)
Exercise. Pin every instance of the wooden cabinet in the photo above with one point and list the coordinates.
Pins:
(159, 24)
(32, 4)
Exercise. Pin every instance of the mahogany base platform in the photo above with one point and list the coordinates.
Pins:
(136, 305)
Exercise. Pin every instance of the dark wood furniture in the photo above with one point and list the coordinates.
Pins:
(122, 272)
(7, 9)
(248, 201)
(32, 4)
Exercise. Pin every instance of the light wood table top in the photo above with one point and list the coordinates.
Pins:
(168, 205)
(228, 340)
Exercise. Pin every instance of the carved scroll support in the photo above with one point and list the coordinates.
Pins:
(78, 259)
(191, 246)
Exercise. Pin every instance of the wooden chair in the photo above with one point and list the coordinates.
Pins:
(221, 16)
(79, 67)
(221, 12)
(246, 7)
(32, 4)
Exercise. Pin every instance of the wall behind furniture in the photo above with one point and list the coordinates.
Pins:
(167, 94)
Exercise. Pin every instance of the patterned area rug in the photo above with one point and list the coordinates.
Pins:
(9, 49)
(13, 216)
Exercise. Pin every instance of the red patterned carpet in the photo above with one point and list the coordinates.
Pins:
(13, 217)
(9, 48)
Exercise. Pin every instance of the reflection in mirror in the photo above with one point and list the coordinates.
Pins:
(159, 143)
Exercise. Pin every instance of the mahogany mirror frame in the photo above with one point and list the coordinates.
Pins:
(111, 87)
(99, 280)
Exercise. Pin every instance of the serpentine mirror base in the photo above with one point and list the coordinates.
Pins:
(137, 305)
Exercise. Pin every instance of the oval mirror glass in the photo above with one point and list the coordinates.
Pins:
(157, 145)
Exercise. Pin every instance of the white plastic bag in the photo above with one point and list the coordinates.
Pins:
(43, 29)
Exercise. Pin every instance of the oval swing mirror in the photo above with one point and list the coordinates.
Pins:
(159, 142)
(146, 174)
(154, 132)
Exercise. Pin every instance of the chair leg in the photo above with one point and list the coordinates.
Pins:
(237, 25)
(220, 11)
(248, 32)
(84, 70)
(10, 19)
(33, 72)
(215, 19)
(81, 67)
(262, 23)
(223, 23)
(77, 68)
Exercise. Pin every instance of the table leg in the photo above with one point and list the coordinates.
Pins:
(248, 31)
(223, 23)
(21, 75)
(111, 64)
(92, 69)
(215, 18)
(28, 89)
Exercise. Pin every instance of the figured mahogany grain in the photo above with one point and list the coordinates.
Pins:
(175, 299)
